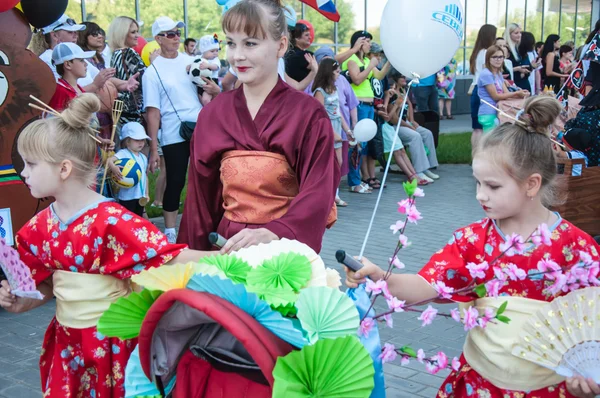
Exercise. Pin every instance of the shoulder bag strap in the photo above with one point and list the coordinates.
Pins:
(165, 90)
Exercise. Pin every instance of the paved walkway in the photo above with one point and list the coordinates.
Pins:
(447, 205)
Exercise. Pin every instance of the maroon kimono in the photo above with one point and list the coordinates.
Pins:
(289, 123)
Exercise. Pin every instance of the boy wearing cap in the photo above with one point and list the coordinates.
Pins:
(133, 140)
(69, 60)
(209, 48)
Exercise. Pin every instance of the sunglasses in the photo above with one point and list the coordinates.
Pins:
(171, 34)
(69, 21)
(98, 33)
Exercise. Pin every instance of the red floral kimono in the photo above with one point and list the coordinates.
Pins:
(103, 239)
(480, 242)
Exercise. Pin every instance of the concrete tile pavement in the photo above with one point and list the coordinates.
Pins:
(448, 204)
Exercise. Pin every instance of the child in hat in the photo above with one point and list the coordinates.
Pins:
(133, 140)
(209, 48)
(69, 60)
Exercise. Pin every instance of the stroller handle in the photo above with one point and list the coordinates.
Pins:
(348, 261)
(216, 240)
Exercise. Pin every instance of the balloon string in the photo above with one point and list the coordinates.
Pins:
(387, 168)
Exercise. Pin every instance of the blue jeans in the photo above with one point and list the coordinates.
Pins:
(363, 112)
(427, 98)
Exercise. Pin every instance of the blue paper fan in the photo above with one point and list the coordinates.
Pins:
(251, 304)
(136, 382)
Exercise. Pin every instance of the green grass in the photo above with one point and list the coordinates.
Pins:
(452, 148)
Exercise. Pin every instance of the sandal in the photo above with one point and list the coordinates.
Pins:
(373, 183)
(359, 189)
(340, 203)
(377, 182)
(420, 181)
(450, 117)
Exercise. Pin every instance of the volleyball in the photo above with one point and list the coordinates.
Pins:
(196, 74)
(131, 171)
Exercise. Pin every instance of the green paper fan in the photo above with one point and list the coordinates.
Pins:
(280, 299)
(234, 267)
(124, 317)
(326, 313)
(285, 270)
(331, 368)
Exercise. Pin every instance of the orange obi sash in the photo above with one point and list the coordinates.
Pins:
(258, 187)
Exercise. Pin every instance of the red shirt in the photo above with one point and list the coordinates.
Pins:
(63, 95)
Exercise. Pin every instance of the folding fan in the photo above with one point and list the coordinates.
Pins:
(17, 273)
(564, 335)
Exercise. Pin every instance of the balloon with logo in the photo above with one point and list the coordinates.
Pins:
(147, 50)
(6, 5)
(311, 28)
(409, 27)
(141, 43)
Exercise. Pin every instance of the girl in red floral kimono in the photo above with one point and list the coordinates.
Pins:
(515, 170)
(82, 250)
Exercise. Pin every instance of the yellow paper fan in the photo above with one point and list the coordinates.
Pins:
(170, 277)
(564, 335)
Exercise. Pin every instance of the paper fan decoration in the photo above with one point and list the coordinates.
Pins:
(124, 317)
(256, 255)
(251, 304)
(326, 313)
(334, 280)
(281, 299)
(166, 277)
(287, 270)
(564, 335)
(234, 267)
(337, 368)
(136, 382)
(17, 273)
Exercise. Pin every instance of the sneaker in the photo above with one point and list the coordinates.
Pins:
(422, 176)
(431, 174)
(171, 237)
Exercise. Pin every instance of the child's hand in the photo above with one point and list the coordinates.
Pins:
(353, 279)
(116, 171)
(580, 387)
(203, 65)
(8, 301)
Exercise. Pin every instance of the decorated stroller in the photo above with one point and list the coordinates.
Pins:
(267, 321)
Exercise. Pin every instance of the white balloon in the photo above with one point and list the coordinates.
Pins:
(421, 37)
(365, 130)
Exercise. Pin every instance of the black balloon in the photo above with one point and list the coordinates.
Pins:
(41, 13)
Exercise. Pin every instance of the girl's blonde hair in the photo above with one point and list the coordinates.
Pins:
(525, 148)
(65, 137)
(257, 18)
(118, 31)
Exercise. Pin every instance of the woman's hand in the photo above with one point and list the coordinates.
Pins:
(248, 237)
(313, 65)
(154, 54)
(353, 279)
(211, 87)
(8, 301)
(357, 46)
(580, 387)
(133, 83)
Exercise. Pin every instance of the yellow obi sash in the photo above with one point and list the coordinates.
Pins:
(82, 298)
(258, 187)
(489, 351)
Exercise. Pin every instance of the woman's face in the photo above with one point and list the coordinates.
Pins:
(557, 44)
(303, 41)
(95, 40)
(132, 36)
(254, 60)
(366, 47)
(568, 55)
(336, 73)
(497, 59)
(515, 36)
(502, 44)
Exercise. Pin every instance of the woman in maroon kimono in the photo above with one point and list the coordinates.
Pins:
(262, 164)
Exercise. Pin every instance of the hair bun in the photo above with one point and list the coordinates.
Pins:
(539, 113)
(80, 111)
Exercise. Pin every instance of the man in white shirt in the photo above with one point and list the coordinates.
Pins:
(170, 98)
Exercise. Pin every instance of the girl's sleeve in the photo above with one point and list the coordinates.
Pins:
(449, 266)
(29, 247)
(130, 244)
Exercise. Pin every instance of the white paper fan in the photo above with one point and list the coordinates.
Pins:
(256, 255)
(564, 335)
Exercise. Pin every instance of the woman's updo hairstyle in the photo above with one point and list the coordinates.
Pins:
(524, 147)
(65, 137)
(257, 18)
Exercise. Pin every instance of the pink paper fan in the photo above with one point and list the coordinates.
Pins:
(17, 273)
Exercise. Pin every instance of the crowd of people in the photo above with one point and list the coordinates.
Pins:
(263, 144)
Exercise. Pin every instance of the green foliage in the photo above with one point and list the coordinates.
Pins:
(480, 290)
(408, 351)
(454, 148)
(502, 308)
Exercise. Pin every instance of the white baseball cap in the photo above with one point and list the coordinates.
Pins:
(164, 24)
(135, 131)
(69, 51)
(63, 23)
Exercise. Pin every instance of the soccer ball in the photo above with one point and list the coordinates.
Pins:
(196, 73)
(131, 171)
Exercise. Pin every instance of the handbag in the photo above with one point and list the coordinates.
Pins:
(186, 129)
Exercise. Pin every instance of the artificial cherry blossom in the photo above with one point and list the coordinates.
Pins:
(478, 270)
(470, 317)
(514, 245)
(395, 304)
(428, 315)
(375, 287)
(388, 353)
(542, 236)
(413, 215)
(365, 327)
(397, 226)
(443, 290)
(455, 314)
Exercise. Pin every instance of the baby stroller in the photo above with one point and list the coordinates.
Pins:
(215, 348)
